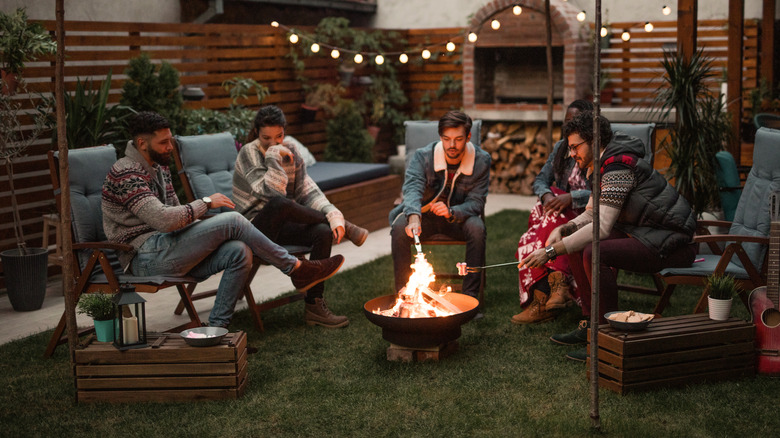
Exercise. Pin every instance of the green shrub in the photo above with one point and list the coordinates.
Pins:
(97, 306)
(150, 87)
(721, 287)
(237, 121)
(348, 139)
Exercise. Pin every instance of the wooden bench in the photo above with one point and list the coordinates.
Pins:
(675, 351)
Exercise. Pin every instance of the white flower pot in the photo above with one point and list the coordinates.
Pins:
(719, 309)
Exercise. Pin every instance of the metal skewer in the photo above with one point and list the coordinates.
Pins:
(463, 269)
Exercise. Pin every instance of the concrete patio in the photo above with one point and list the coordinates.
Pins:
(267, 284)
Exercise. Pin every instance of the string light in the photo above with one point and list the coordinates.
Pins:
(274, 24)
(625, 36)
(581, 16)
(293, 38)
(495, 24)
(517, 10)
(358, 58)
(648, 26)
(450, 46)
(315, 48)
(379, 59)
(335, 54)
(666, 10)
(403, 58)
(426, 54)
(472, 37)
(604, 31)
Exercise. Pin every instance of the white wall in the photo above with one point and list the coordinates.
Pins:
(417, 14)
(152, 11)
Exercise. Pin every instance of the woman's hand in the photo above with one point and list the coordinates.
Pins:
(338, 234)
(558, 203)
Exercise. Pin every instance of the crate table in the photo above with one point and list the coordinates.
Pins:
(167, 370)
(675, 351)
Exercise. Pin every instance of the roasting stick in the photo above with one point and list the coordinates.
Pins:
(463, 269)
(441, 301)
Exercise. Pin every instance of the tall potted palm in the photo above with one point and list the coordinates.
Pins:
(702, 126)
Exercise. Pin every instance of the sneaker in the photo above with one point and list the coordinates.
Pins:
(579, 355)
(319, 314)
(312, 272)
(574, 337)
(560, 295)
(536, 312)
(355, 234)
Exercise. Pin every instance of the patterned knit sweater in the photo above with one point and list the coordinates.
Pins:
(260, 176)
(139, 200)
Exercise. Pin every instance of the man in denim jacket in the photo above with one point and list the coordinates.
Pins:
(444, 192)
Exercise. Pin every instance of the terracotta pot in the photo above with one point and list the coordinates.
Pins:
(373, 131)
(308, 113)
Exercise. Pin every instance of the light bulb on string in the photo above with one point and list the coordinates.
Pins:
(379, 59)
(472, 37)
(604, 31)
(293, 38)
(581, 16)
(625, 36)
(315, 48)
(274, 24)
(335, 54)
(495, 24)
(648, 27)
(450, 46)
(358, 58)
(403, 58)
(426, 54)
(666, 10)
(517, 10)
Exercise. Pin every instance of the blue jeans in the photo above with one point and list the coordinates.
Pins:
(224, 242)
(472, 231)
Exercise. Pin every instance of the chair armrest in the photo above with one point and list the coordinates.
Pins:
(103, 245)
(713, 223)
(731, 238)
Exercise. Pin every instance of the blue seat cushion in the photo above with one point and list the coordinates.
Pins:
(706, 268)
(209, 161)
(330, 175)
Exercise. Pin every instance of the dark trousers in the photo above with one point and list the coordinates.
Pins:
(286, 222)
(472, 231)
(621, 252)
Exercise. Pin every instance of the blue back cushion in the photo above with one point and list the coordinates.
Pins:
(642, 131)
(209, 160)
(728, 178)
(421, 133)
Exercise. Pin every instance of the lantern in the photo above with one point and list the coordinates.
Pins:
(130, 330)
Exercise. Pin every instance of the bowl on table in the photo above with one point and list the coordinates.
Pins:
(629, 326)
(204, 336)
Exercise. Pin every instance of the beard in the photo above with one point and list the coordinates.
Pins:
(161, 159)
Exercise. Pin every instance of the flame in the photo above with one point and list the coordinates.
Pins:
(411, 302)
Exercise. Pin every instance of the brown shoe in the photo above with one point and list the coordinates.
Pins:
(319, 314)
(536, 312)
(312, 272)
(355, 234)
(560, 297)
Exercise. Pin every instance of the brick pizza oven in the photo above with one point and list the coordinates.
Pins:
(505, 71)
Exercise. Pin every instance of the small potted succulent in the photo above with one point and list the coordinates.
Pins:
(721, 290)
(100, 307)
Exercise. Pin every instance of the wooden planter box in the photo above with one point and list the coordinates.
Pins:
(675, 351)
(168, 370)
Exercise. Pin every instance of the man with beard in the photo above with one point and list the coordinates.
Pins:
(444, 192)
(140, 208)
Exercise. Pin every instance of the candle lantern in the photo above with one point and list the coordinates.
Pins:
(130, 329)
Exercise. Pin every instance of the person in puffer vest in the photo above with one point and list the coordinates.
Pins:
(645, 224)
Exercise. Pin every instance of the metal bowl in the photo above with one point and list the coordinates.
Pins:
(626, 326)
(215, 335)
(421, 332)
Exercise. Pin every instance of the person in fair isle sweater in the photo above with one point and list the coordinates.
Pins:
(272, 189)
(140, 208)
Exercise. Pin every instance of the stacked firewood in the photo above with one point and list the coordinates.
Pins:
(518, 151)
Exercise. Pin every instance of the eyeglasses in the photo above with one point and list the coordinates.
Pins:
(573, 148)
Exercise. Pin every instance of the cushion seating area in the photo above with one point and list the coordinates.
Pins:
(331, 175)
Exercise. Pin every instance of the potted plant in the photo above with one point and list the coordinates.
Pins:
(347, 137)
(721, 290)
(24, 268)
(20, 42)
(322, 95)
(99, 307)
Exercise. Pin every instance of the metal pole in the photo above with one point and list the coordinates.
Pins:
(596, 191)
(550, 80)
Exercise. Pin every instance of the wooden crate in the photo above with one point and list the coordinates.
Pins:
(675, 351)
(168, 370)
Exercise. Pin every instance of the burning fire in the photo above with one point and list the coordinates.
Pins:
(416, 299)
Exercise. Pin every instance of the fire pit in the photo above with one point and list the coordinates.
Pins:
(421, 332)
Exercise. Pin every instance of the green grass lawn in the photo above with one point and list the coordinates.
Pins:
(505, 380)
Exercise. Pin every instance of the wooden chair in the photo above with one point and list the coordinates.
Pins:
(96, 268)
(748, 235)
(420, 133)
(206, 164)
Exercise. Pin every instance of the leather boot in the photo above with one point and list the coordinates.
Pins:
(560, 297)
(319, 314)
(536, 312)
(354, 233)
